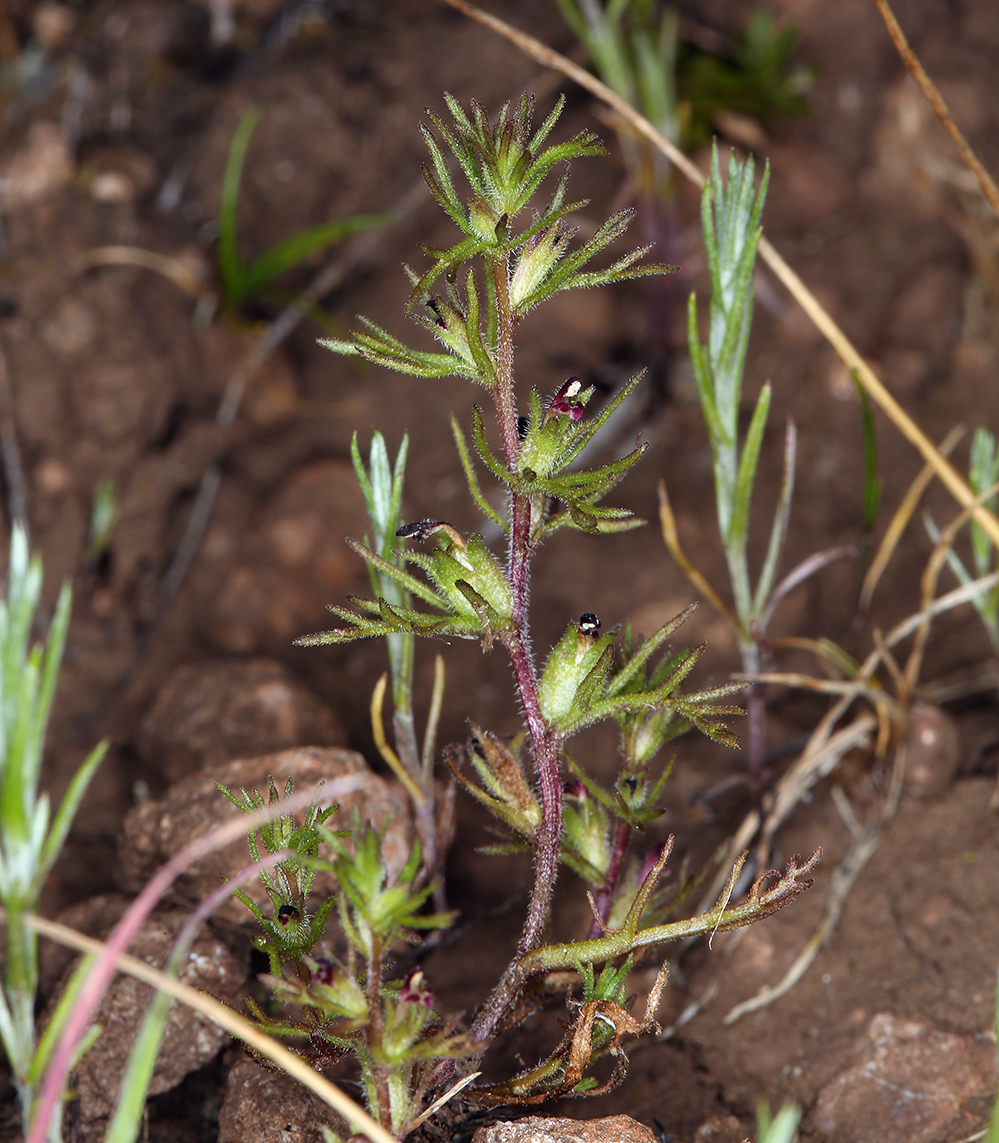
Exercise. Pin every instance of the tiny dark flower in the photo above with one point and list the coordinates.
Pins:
(574, 788)
(287, 913)
(435, 308)
(565, 402)
(324, 970)
(416, 990)
(589, 624)
(421, 529)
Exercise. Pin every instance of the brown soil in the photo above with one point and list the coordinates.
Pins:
(112, 379)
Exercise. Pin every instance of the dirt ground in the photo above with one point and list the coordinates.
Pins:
(124, 126)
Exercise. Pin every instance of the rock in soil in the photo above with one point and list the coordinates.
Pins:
(539, 1129)
(190, 1039)
(720, 1129)
(264, 1105)
(211, 712)
(932, 751)
(292, 561)
(911, 1083)
(154, 832)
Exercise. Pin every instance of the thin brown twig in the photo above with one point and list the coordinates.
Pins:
(948, 475)
(936, 101)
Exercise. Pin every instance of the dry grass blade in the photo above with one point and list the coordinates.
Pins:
(903, 514)
(936, 101)
(182, 276)
(226, 1018)
(954, 483)
(820, 758)
(671, 538)
(445, 1098)
(928, 587)
(843, 879)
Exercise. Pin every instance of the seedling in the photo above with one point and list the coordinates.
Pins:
(240, 283)
(30, 837)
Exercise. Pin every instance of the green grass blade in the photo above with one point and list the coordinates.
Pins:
(54, 647)
(230, 264)
(992, 1132)
(778, 533)
(746, 477)
(291, 251)
(53, 1028)
(67, 809)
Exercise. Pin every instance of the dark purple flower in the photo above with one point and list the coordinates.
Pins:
(416, 990)
(574, 788)
(324, 970)
(286, 914)
(564, 401)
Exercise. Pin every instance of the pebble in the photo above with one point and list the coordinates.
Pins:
(539, 1129)
(154, 831)
(208, 713)
(911, 1083)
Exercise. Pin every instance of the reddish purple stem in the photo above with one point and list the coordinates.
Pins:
(605, 897)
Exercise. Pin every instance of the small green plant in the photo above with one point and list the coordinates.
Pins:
(344, 1005)
(241, 283)
(730, 218)
(685, 90)
(381, 486)
(30, 836)
(756, 77)
(472, 299)
(103, 516)
(633, 47)
(779, 1130)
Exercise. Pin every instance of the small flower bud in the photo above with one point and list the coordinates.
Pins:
(484, 220)
(580, 651)
(538, 258)
(461, 564)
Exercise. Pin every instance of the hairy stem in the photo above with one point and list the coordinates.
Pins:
(504, 394)
(545, 743)
(382, 1102)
